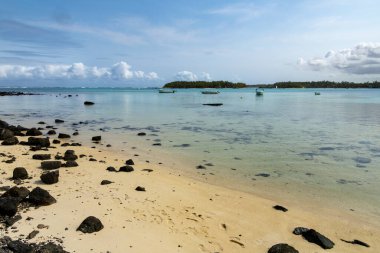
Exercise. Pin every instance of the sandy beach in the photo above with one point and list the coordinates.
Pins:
(174, 214)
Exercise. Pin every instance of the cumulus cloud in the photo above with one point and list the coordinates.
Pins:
(362, 59)
(190, 76)
(118, 71)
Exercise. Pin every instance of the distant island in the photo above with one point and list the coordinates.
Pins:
(281, 85)
(203, 84)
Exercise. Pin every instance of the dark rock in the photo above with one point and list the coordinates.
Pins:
(70, 155)
(140, 189)
(126, 168)
(280, 208)
(42, 142)
(156, 144)
(5, 134)
(357, 242)
(75, 133)
(90, 225)
(111, 169)
(59, 121)
(92, 159)
(201, 167)
(10, 221)
(20, 173)
(39, 196)
(141, 134)
(32, 234)
(56, 141)
(3, 124)
(33, 132)
(50, 177)
(63, 136)
(51, 132)
(8, 206)
(360, 159)
(104, 182)
(70, 164)
(10, 141)
(41, 157)
(88, 103)
(19, 246)
(51, 165)
(97, 138)
(317, 238)
(19, 193)
(214, 104)
(129, 162)
(41, 123)
(262, 175)
(51, 248)
(147, 170)
(282, 248)
(300, 230)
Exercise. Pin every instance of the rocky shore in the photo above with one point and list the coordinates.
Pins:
(59, 196)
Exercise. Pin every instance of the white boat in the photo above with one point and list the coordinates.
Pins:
(259, 92)
(210, 92)
(165, 91)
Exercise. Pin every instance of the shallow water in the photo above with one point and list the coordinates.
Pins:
(288, 143)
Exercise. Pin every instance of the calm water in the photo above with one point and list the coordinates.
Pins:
(320, 149)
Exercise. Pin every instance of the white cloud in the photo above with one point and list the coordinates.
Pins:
(190, 76)
(205, 76)
(364, 58)
(118, 71)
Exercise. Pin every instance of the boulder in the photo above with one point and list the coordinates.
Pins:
(282, 248)
(300, 230)
(105, 182)
(41, 197)
(3, 124)
(51, 165)
(63, 136)
(126, 168)
(8, 206)
(41, 157)
(51, 248)
(20, 173)
(50, 177)
(41, 142)
(314, 237)
(280, 208)
(70, 164)
(10, 141)
(111, 169)
(70, 155)
(5, 134)
(129, 162)
(33, 132)
(90, 225)
(141, 134)
(19, 246)
(59, 121)
(19, 193)
(140, 189)
(51, 132)
(56, 141)
(97, 138)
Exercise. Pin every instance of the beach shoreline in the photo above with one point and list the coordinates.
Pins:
(175, 213)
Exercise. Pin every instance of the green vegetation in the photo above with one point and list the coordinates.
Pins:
(203, 84)
(323, 84)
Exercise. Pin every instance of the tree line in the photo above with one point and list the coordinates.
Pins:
(203, 84)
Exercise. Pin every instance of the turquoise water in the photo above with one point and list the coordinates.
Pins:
(320, 149)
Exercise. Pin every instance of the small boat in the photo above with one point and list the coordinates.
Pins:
(165, 91)
(210, 92)
(259, 92)
(317, 93)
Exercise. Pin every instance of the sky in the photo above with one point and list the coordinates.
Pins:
(148, 43)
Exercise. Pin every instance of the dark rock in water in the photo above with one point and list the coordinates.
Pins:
(156, 144)
(214, 104)
(70, 155)
(111, 169)
(51, 165)
(141, 134)
(59, 121)
(3, 124)
(41, 123)
(319, 239)
(20, 173)
(51, 132)
(126, 168)
(90, 225)
(42, 142)
(8, 206)
(300, 230)
(96, 138)
(201, 167)
(41, 197)
(56, 141)
(104, 182)
(10, 141)
(280, 208)
(140, 189)
(88, 103)
(70, 164)
(63, 136)
(358, 242)
(19, 246)
(129, 162)
(5, 134)
(282, 248)
(262, 175)
(32, 234)
(41, 157)
(50, 177)
(33, 132)
(75, 133)
(360, 159)
(19, 193)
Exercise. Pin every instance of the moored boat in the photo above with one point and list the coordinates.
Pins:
(165, 91)
(210, 92)
(317, 93)
(259, 92)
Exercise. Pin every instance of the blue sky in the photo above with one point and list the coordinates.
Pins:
(148, 43)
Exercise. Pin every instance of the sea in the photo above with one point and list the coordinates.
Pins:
(289, 145)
